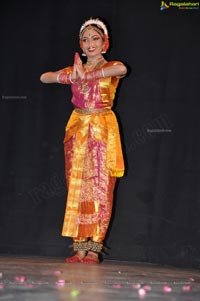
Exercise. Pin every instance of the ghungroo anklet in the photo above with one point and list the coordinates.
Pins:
(94, 246)
(80, 246)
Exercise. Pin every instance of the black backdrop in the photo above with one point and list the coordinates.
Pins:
(157, 203)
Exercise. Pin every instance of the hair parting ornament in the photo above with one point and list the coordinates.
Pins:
(96, 23)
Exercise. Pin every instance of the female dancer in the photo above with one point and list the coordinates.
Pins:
(92, 146)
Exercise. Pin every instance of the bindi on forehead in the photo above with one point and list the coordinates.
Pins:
(90, 36)
(90, 32)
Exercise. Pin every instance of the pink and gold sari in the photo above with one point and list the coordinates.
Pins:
(93, 159)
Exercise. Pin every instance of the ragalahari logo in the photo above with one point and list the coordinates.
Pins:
(179, 5)
(164, 5)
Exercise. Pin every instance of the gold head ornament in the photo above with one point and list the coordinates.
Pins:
(96, 22)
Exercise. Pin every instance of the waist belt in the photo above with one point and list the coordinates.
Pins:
(91, 110)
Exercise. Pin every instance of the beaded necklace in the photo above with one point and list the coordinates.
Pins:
(89, 65)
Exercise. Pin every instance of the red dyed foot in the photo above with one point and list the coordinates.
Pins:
(90, 259)
(73, 259)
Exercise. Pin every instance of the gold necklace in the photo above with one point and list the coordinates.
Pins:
(89, 65)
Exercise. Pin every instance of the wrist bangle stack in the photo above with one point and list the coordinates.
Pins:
(70, 79)
(91, 75)
(63, 78)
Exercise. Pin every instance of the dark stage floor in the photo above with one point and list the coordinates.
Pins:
(50, 279)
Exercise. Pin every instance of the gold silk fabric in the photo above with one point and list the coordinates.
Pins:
(93, 160)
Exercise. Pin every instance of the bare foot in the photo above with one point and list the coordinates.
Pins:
(91, 258)
(78, 257)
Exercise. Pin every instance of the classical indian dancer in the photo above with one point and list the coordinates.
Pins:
(92, 144)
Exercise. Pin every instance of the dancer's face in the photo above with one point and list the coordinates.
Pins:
(92, 43)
